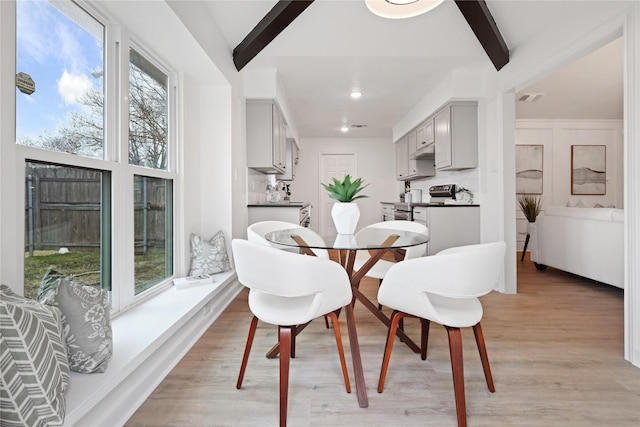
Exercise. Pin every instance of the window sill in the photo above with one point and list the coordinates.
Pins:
(148, 341)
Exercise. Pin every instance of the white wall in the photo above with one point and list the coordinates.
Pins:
(557, 137)
(376, 166)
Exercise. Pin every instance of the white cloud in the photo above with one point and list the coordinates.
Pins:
(72, 86)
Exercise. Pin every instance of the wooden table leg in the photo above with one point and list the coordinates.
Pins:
(358, 373)
(384, 319)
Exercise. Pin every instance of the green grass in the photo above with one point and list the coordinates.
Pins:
(149, 268)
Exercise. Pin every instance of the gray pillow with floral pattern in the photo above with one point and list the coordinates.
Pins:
(86, 322)
(209, 256)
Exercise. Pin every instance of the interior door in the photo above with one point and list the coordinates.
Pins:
(332, 166)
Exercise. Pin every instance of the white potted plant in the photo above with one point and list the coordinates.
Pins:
(345, 212)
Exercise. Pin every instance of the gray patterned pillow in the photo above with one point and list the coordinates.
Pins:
(34, 371)
(87, 324)
(209, 256)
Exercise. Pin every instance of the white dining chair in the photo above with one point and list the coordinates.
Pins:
(380, 268)
(257, 231)
(444, 288)
(289, 289)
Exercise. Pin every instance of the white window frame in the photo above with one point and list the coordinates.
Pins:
(14, 158)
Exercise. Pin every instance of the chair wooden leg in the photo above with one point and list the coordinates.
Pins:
(396, 316)
(343, 362)
(457, 368)
(247, 350)
(379, 284)
(424, 323)
(294, 332)
(482, 349)
(284, 335)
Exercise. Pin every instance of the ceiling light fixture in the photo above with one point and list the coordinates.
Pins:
(399, 9)
(530, 97)
(356, 94)
(344, 128)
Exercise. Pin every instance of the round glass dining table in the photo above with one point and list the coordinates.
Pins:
(377, 241)
(365, 239)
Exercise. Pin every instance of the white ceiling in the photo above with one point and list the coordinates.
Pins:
(337, 45)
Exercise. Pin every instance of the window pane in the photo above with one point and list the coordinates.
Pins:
(147, 113)
(60, 49)
(153, 223)
(64, 214)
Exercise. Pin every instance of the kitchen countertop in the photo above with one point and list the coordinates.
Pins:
(281, 204)
(443, 205)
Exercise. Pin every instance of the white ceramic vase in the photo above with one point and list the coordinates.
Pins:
(345, 217)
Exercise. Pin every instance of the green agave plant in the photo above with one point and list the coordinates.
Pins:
(530, 205)
(345, 191)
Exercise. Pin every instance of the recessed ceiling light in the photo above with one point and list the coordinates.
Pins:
(344, 128)
(355, 94)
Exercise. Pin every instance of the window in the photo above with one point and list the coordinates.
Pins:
(147, 113)
(153, 231)
(63, 57)
(64, 213)
(99, 199)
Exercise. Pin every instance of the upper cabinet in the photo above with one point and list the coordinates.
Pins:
(456, 136)
(425, 139)
(411, 168)
(291, 160)
(402, 159)
(266, 137)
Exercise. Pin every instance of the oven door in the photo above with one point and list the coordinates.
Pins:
(401, 215)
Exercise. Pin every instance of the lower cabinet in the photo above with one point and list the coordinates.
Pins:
(449, 226)
(295, 214)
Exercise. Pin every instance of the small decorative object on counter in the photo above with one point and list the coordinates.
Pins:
(464, 194)
(345, 212)
(286, 190)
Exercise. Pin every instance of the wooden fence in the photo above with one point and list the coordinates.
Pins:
(63, 209)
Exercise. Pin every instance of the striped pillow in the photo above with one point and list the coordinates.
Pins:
(33, 362)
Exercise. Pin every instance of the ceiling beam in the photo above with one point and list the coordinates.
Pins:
(484, 26)
(278, 18)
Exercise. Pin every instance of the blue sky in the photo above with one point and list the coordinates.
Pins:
(59, 55)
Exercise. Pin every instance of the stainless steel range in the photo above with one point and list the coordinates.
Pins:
(402, 211)
(438, 193)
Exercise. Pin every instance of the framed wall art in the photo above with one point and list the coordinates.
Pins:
(529, 160)
(588, 169)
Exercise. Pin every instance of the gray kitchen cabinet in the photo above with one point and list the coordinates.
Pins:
(402, 159)
(425, 139)
(386, 213)
(291, 160)
(408, 168)
(266, 137)
(412, 143)
(294, 212)
(456, 136)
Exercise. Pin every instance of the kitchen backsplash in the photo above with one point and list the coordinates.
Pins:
(257, 184)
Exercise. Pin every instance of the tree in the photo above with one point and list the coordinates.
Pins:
(83, 132)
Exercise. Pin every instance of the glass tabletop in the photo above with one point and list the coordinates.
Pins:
(367, 238)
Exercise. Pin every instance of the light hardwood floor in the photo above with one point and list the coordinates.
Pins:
(555, 348)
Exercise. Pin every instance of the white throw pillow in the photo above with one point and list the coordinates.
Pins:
(209, 256)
